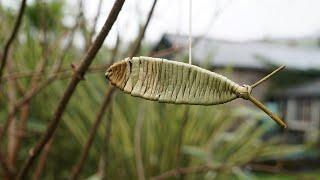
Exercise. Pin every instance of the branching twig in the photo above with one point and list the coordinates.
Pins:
(77, 77)
(14, 139)
(56, 68)
(12, 37)
(35, 87)
(34, 91)
(137, 44)
(78, 167)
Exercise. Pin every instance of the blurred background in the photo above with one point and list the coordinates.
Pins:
(107, 134)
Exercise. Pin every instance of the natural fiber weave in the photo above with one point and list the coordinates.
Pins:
(172, 82)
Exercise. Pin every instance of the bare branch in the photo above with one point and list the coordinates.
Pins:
(7, 173)
(37, 87)
(78, 167)
(95, 21)
(12, 122)
(12, 37)
(137, 44)
(42, 161)
(115, 50)
(80, 71)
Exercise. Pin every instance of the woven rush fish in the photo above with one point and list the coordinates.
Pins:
(179, 83)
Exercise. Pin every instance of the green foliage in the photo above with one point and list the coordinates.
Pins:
(215, 135)
(45, 14)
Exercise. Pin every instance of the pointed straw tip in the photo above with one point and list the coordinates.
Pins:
(284, 126)
(282, 67)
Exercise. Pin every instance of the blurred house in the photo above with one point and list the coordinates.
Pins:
(247, 62)
(300, 106)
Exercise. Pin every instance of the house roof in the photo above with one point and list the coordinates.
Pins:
(253, 54)
(310, 89)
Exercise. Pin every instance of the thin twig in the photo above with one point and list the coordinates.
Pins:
(34, 91)
(35, 87)
(22, 124)
(12, 122)
(95, 21)
(12, 37)
(103, 162)
(137, 44)
(78, 167)
(42, 161)
(84, 154)
(186, 170)
(265, 168)
(77, 77)
(15, 139)
(137, 143)
(93, 69)
(115, 51)
(7, 173)
(181, 135)
(100, 68)
(56, 68)
(267, 77)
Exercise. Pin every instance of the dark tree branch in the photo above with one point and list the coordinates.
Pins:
(76, 78)
(78, 167)
(7, 173)
(12, 37)
(12, 122)
(137, 44)
(42, 161)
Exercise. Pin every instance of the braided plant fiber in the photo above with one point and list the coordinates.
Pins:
(178, 83)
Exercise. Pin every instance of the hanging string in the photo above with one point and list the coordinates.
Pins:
(190, 31)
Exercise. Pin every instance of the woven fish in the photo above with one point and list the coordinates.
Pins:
(176, 82)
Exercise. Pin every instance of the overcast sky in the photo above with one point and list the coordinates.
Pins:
(238, 20)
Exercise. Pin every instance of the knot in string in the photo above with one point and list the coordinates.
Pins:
(244, 91)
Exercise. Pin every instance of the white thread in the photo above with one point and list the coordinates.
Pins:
(190, 31)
